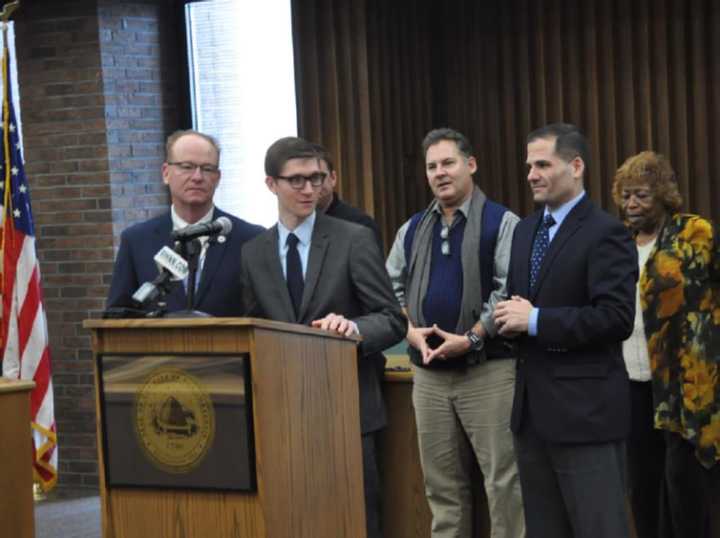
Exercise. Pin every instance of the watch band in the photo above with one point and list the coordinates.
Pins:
(476, 341)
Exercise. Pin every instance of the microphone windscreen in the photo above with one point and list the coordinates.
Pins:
(226, 224)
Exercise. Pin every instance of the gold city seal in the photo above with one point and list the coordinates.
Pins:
(174, 420)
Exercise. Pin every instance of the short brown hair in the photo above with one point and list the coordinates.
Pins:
(292, 147)
(655, 170)
(174, 137)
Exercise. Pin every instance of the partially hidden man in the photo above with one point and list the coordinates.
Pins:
(571, 281)
(317, 270)
(191, 172)
(448, 267)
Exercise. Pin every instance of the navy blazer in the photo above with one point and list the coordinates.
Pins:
(219, 292)
(571, 377)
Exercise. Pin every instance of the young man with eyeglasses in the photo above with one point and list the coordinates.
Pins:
(448, 267)
(328, 273)
(191, 172)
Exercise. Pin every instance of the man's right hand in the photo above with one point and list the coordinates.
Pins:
(417, 338)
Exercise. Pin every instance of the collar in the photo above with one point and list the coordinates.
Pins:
(464, 208)
(303, 231)
(561, 212)
(179, 223)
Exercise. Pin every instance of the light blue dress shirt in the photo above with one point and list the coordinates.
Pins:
(558, 215)
(304, 234)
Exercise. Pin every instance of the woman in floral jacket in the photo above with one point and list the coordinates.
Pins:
(673, 355)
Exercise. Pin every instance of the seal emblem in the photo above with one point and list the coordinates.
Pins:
(174, 420)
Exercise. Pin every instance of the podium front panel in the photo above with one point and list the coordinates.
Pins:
(180, 421)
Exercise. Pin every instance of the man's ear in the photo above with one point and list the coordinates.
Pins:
(270, 182)
(332, 179)
(165, 171)
(472, 164)
(578, 166)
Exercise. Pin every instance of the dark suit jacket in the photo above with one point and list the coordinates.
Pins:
(572, 374)
(345, 275)
(343, 211)
(218, 292)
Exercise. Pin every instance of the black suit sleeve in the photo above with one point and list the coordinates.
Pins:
(608, 314)
(383, 324)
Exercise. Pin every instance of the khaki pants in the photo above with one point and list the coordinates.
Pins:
(477, 401)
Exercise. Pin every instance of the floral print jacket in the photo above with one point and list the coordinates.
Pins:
(680, 298)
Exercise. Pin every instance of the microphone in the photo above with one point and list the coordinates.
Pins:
(221, 226)
(171, 266)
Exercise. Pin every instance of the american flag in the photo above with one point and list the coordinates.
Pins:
(25, 351)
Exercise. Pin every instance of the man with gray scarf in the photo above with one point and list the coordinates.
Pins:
(448, 267)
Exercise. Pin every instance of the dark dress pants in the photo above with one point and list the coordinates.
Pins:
(671, 493)
(571, 490)
(646, 462)
(371, 481)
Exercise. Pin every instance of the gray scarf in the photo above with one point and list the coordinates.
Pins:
(418, 268)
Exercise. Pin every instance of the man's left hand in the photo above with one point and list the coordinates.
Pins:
(336, 323)
(512, 316)
(453, 345)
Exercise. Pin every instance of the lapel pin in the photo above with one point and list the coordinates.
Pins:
(221, 239)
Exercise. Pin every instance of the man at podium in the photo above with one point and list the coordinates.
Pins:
(317, 270)
(191, 172)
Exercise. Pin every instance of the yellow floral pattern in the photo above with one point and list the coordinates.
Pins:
(680, 299)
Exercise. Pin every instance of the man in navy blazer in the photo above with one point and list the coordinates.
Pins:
(192, 174)
(571, 283)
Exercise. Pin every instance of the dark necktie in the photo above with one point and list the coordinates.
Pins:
(540, 246)
(294, 274)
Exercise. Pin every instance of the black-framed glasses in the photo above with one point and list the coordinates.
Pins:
(445, 245)
(189, 168)
(298, 181)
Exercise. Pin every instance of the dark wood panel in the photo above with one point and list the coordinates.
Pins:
(634, 74)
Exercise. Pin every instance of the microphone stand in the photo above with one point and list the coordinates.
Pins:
(190, 250)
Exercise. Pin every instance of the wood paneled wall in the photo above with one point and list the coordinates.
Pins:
(634, 74)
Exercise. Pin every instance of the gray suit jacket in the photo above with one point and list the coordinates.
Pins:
(345, 275)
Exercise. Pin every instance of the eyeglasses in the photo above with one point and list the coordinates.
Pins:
(445, 245)
(189, 168)
(298, 182)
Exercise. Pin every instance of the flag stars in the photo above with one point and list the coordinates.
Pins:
(16, 213)
(15, 170)
(22, 189)
(12, 127)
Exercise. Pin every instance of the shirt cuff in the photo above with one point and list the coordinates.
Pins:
(532, 321)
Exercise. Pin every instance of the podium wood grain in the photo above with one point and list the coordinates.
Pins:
(16, 479)
(307, 435)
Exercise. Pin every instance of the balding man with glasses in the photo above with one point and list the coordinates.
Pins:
(191, 172)
(448, 267)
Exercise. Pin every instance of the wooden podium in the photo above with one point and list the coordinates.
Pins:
(306, 434)
(16, 478)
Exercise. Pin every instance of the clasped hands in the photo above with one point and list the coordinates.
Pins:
(336, 323)
(453, 344)
(512, 316)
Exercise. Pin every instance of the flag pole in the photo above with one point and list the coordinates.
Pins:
(44, 436)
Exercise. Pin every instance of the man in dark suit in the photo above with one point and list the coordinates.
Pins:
(192, 174)
(572, 279)
(330, 203)
(328, 273)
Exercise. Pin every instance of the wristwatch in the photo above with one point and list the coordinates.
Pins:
(476, 341)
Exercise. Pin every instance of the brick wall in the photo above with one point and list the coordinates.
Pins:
(98, 97)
